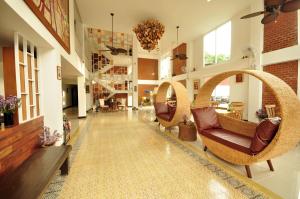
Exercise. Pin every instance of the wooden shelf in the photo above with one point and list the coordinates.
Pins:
(24, 93)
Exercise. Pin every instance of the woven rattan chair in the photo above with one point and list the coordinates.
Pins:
(182, 101)
(271, 110)
(286, 138)
(237, 109)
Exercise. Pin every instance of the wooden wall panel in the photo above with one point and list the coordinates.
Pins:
(9, 75)
(178, 64)
(18, 143)
(147, 69)
(141, 90)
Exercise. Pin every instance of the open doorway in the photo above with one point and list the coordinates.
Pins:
(70, 96)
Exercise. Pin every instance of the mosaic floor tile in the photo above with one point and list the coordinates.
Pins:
(121, 156)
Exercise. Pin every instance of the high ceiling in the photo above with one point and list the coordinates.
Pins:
(195, 17)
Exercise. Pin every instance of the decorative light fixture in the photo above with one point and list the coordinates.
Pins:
(148, 33)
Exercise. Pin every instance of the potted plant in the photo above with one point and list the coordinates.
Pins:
(48, 138)
(8, 107)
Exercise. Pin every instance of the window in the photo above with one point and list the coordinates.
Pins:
(165, 68)
(222, 92)
(217, 45)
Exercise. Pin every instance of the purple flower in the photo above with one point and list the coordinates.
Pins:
(10, 104)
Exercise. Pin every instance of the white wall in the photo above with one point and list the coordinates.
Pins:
(240, 41)
(1, 73)
(241, 37)
(89, 97)
(51, 89)
(81, 97)
(50, 58)
(29, 17)
(239, 92)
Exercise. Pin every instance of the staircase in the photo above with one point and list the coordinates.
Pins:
(107, 80)
(113, 91)
(106, 68)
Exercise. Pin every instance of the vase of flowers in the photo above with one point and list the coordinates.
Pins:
(8, 107)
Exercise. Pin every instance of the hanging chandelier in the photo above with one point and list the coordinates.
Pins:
(149, 32)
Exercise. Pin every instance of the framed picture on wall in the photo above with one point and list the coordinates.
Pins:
(59, 72)
(196, 84)
(239, 78)
(54, 15)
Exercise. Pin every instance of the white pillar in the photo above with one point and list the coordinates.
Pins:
(135, 73)
(51, 90)
(81, 97)
(190, 88)
(256, 43)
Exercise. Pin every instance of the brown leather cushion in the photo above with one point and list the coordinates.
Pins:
(257, 144)
(233, 140)
(206, 118)
(267, 129)
(265, 132)
(165, 116)
(161, 107)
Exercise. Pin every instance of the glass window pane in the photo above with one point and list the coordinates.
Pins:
(223, 39)
(165, 69)
(210, 48)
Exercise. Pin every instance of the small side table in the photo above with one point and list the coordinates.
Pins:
(187, 132)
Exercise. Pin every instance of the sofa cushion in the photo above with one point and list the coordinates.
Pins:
(267, 128)
(165, 116)
(205, 118)
(233, 140)
(257, 144)
(265, 132)
(161, 107)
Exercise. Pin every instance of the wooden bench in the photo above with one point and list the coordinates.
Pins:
(31, 178)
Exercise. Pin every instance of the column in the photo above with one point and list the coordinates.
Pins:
(256, 43)
(81, 97)
(51, 90)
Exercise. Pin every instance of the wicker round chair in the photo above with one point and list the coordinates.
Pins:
(287, 136)
(182, 101)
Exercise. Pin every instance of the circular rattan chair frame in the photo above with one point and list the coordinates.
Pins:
(183, 104)
(288, 135)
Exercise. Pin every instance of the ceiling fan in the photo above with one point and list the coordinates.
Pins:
(178, 55)
(273, 8)
(112, 49)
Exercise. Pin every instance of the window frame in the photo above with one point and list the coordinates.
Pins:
(169, 69)
(203, 46)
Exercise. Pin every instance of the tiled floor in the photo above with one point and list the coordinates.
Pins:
(123, 155)
(285, 181)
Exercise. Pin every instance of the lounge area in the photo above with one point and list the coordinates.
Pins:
(138, 99)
